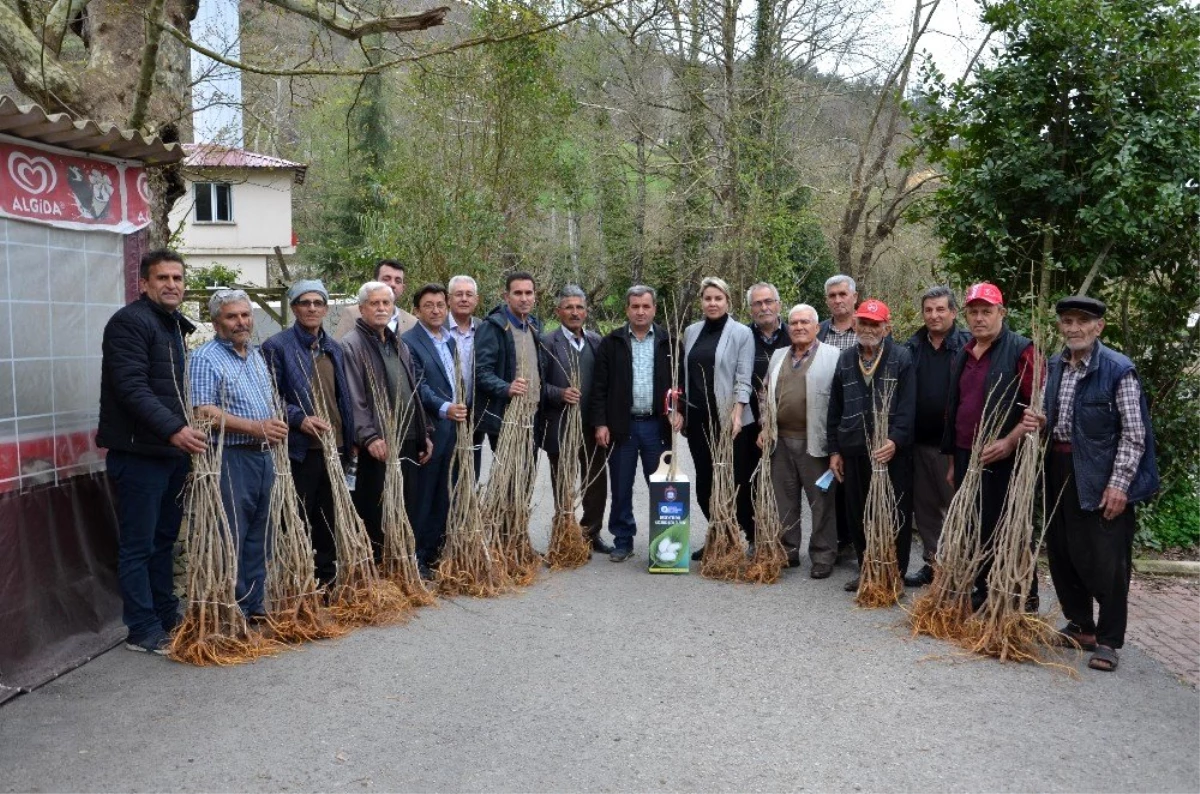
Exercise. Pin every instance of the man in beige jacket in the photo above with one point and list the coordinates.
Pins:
(389, 272)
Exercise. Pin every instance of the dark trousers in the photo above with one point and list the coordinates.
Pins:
(744, 461)
(993, 488)
(368, 491)
(316, 497)
(746, 456)
(595, 480)
(149, 493)
(427, 494)
(855, 484)
(1091, 558)
(247, 476)
(931, 496)
(645, 443)
(839, 516)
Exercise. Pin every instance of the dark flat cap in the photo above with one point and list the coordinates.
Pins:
(1081, 303)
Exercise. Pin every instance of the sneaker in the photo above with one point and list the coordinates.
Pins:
(620, 555)
(157, 642)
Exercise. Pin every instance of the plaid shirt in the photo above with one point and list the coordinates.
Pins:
(842, 340)
(1132, 443)
(240, 386)
(643, 373)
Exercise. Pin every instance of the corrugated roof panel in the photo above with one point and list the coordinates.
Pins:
(32, 123)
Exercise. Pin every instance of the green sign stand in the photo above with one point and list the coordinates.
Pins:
(670, 519)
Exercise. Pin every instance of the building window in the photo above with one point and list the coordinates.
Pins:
(214, 202)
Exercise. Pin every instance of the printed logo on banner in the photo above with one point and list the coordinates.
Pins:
(34, 175)
(670, 494)
(92, 190)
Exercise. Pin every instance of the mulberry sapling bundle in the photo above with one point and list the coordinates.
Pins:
(769, 556)
(359, 596)
(506, 498)
(943, 610)
(468, 565)
(880, 583)
(399, 559)
(724, 551)
(568, 546)
(295, 604)
(214, 630)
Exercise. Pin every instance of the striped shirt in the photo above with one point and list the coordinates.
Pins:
(1132, 443)
(643, 373)
(218, 376)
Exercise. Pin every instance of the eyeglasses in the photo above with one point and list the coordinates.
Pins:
(764, 302)
(310, 303)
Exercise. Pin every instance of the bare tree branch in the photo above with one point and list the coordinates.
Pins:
(358, 24)
(145, 84)
(38, 77)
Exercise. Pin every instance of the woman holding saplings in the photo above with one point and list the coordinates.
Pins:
(717, 363)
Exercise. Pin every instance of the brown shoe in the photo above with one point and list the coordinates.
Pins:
(821, 570)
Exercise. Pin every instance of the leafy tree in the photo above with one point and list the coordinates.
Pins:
(1070, 166)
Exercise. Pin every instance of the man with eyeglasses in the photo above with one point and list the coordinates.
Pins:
(769, 335)
(461, 326)
(308, 368)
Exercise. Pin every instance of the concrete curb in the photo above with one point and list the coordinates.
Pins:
(1168, 567)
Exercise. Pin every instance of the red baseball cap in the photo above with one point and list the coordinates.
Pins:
(986, 292)
(872, 309)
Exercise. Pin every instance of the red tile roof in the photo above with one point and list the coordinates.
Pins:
(211, 155)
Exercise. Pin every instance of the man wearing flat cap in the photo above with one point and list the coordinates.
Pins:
(874, 367)
(990, 378)
(1099, 463)
(308, 370)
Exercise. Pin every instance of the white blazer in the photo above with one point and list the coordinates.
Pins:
(819, 380)
(734, 365)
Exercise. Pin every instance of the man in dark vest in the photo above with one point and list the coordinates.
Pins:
(993, 372)
(933, 348)
(1099, 464)
(864, 375)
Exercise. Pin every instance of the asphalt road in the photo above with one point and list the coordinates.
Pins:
(609, 679)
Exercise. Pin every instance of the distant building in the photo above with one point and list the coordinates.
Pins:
(237, 209)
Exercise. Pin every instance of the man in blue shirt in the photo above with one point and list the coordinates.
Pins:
(231, 386)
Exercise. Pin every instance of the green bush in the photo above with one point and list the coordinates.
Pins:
(1172, 521)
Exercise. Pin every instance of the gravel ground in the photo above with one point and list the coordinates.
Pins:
(609, 679)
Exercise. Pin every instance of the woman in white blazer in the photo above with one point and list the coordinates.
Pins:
(717, 364)
(800, 456)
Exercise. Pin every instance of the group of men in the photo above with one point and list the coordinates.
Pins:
(425, 374)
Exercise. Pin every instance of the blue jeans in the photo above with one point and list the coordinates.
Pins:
(149, 510)
(645, 441)
(246, 479)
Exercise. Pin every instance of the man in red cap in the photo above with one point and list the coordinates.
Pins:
(993, 372)
(864, 372)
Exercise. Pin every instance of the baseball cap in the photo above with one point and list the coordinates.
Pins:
(872, 309)
(986, 292)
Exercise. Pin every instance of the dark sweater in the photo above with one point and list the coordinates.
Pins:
(932, 371)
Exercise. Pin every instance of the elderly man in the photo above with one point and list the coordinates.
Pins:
(875, 364)
(309, 373)
(572, 351)
(433, 352)
(769, 336)
(633, 376)
(509, 360)
(232, 386)
(464, 298)
(149, 442)
(932, 347)
(798, 384)
(391, 273)
(376, 359)
(993, 372)
(1100, 463)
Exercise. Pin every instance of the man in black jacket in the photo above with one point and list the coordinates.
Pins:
(932, 347)
(509, 359)
(571, 351)
(143, 426)
(633, 376)
(864, 374)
